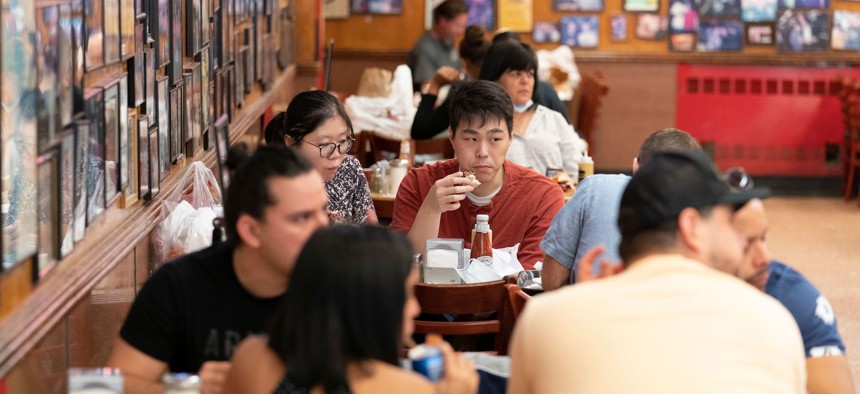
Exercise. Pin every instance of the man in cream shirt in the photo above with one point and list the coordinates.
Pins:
(673, 321)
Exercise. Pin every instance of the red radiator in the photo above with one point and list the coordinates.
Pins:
(771, 120)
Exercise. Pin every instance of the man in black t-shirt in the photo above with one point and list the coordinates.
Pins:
(191, 313)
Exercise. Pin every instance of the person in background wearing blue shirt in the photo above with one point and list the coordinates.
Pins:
(827, 367)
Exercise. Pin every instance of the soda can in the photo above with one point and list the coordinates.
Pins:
(428, 361)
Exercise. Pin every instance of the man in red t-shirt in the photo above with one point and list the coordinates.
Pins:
(438, 201)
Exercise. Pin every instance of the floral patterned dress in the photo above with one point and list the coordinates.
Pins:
(348, 193)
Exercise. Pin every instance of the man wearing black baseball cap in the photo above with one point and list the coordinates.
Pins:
(673, 321)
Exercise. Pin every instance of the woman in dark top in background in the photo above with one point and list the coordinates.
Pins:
(316, 124)
(343, 321)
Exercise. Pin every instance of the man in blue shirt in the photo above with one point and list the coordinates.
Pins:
(590, 218)
(827, 367)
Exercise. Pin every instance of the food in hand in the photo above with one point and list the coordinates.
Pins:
(470, 175)
(565, 182)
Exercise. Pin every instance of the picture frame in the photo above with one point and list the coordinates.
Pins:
(222, 146)
(720, 35)
(128, 43)
(94, 48)
(65, 86)
(227, 32)
(177, 109)
(256, 45)
(124, 141)
(159, 27)
(760, 34)
(111, 31)
(95, 174)
(149, 81)
(47, 48)
(577, 5)
(683, 16)
(640, 5)
(651, 26)
(843, 37)
(162, 94)
(804, 4)
(618, 31)
(239, 92)
(67, 190)
(82, 164)
(193, 30)
(130, 192)
(197, 106)
(49, 211)
(378, 7)
(546, 32)
(483, 12)
(154, 175)
(139, 10)
(791, 39)
(249, 69)
(136, 86)
(286, 55)
(205, 103)
(683, 42)
(229, 92)
(336, 9)
(175, 69)
(719, 8)
(205, 27)
(188, 117)
(580, 31)
(111, 143)
(759, 10)
(144, 174)
(79, 55)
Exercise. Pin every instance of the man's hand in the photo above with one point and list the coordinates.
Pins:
(460, 373)
(212, 376)
(444, 76)
(607, 269)
(445, 195)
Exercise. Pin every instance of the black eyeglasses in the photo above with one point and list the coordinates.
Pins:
(738, 179)
(327, 149)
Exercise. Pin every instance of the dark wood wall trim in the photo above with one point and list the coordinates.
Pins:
(116, 234)
(729, 58)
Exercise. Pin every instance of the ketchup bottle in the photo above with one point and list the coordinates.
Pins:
(482, 241)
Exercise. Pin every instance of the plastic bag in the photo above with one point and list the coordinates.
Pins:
(390, 116)
(187, 213)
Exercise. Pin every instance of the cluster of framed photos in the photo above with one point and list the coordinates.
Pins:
(165, 87)
(710, 25)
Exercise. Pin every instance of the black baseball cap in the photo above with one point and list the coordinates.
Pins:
(670, 182)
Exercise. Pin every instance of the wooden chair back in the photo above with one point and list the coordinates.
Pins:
(381, 147)
(435, 146)
(517, 299)
(360, 149)
(589, 96)
(469, 300)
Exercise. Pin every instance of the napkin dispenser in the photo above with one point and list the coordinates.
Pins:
(443, 257)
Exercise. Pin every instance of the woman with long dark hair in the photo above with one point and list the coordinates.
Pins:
(316, 124)
(346, 314)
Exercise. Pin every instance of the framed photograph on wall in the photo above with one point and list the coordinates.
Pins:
(111, 143)
(149, 82)
(222, 145)
(240, 77)
(188, 117)
(682, 42)
(82, 163)
(96, 167)
(805, 4)
(577, 5)
(720, 35)
(483, 12)
(846, 31)
(49, 211)
(719, 8)
(205, 28)
(758, 10)
(641, 5)
(683, 16)
(67, 190)
(229, 92)
(175, 69)
(130, 192)
(65, 70)
(47, 48)
(143, 172)
(803, 31)
(111, 31)
(79, 55)
(544, 32)
(94, 42)
(760, 34)
(651, 27)
(618, 28)
(197, 106)
(128, 44)
(162, 94)
(227, 32)
(177, 109)
(205, 103)
(154, 176)
(159, 28)
(248, 68)
(336, 9)
(193, 12)
(124, 141)
(580, 31)
(383, 7)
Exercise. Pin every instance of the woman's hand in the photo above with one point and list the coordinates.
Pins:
(460, 373)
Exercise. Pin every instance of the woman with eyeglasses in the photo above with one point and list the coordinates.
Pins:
(316, 124)
(542, 138)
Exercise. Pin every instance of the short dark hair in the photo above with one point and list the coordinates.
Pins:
(509, 55)
(249, 194)
(657, 239)
(481, 101)
(450, 9)
(306, 113)
(506, 35)
(474, 45)
(667, 140)
(343, 305)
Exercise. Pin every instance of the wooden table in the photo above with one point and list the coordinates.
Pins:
(384, 205)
